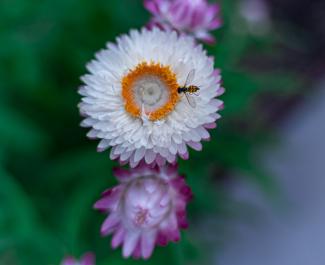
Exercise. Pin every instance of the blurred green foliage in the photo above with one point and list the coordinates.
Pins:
(50, 174)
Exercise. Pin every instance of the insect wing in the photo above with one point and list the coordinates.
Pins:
(190, 100)
(189, 78)
(197, 93)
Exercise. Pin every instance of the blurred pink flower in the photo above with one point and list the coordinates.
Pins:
(87, 259)
(257, 16)
(195, 17)
(148, 207)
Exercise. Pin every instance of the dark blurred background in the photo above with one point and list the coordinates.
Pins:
(271, 54)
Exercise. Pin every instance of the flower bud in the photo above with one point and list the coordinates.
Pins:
(87, 259)
(148, 207)
(195, 17)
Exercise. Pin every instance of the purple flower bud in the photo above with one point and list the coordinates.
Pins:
(148, 207)
(87, 259)
(195, 17)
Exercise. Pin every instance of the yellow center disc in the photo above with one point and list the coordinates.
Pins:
(137, 90)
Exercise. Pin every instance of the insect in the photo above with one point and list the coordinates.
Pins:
(189, 89)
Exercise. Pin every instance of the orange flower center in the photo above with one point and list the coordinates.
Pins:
(150, 89)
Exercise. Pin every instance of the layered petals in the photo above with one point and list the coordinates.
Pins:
(150, 209)
(132, 102)
(195, 17)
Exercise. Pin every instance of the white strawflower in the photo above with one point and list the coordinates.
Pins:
(132, 101)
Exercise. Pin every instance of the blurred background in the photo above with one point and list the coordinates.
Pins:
(258, 184)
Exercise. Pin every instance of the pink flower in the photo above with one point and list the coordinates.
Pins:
(87, 259)
(195, 17)
(148, 207)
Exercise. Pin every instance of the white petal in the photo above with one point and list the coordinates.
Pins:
(139, 153)
(148, 239)
(103, 144)
(150, 156)
(130, 242)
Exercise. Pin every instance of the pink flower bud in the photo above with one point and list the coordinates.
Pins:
(195, 17)
(87, 259)
(148, 207)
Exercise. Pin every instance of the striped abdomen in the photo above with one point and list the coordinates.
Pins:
(189, 89)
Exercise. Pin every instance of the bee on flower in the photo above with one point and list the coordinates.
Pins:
(189, 89)
(135, 102)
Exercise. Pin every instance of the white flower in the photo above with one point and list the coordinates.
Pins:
(131, 98)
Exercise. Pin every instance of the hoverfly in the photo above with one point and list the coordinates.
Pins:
(189, 89)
